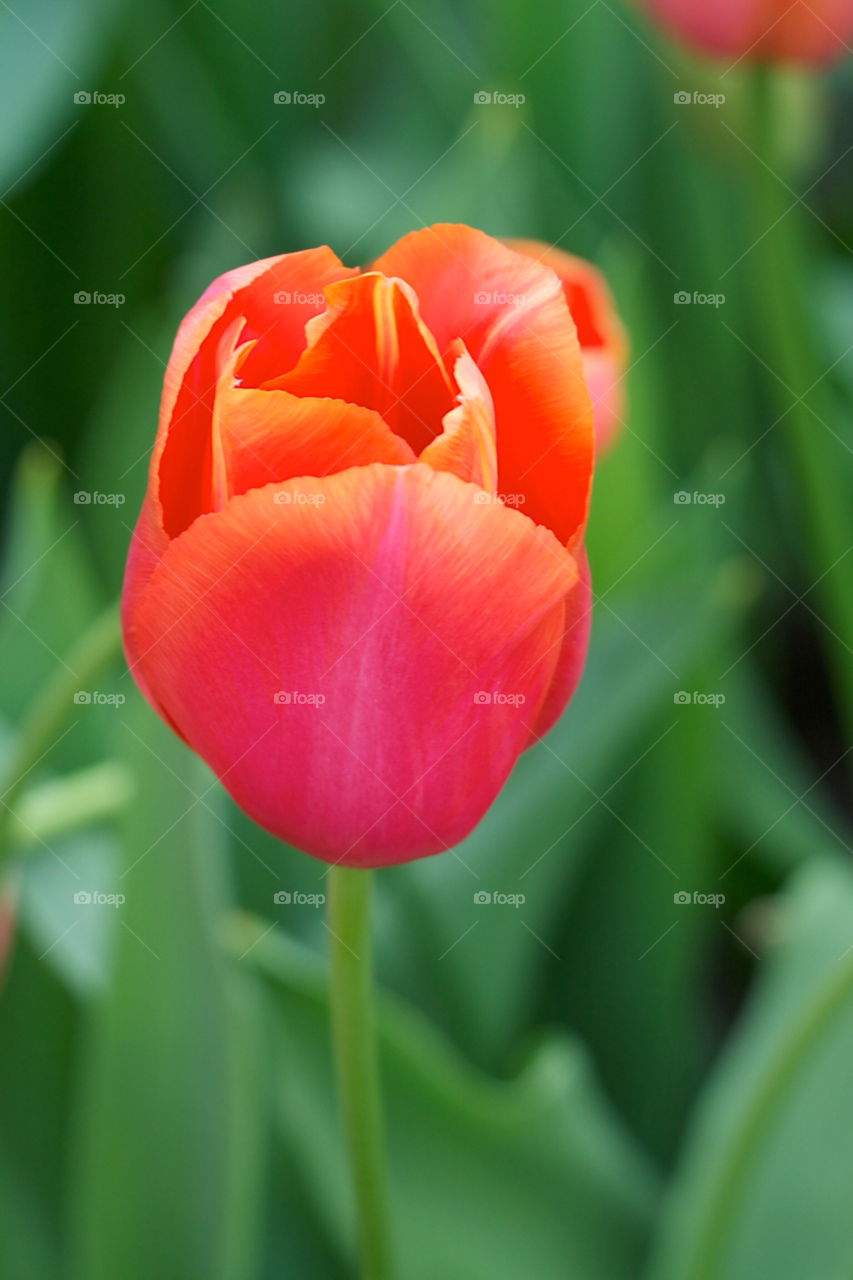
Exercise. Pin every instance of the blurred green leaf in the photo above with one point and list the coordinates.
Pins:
(47, 53)
(119, 437)
(488, 1179)
(763, 1186)
(74, 939)
(39, 1029)
(766, 789)
(78, 799)
(169, 1136)
(49, 593)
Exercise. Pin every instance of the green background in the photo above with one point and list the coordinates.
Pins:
(602, 1083)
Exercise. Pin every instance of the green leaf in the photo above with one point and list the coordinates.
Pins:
(74, 939)
(169, 1137)
(48, 593)
(767, 792)
(489, 1179)
(762, 1192)
(39, 1030)
(47, 53)
(78, 799)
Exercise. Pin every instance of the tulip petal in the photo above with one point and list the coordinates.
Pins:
(181, 464)
(800, 30)
(572, 651)
(147, 545)
(605, 381)
(604, 343)
(512, 316)
(586, 291)
(468, 444)
(266, 436)
(389, 599)
(371, 348)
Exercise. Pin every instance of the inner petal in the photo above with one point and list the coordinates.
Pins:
(261, 436)
(371, 348)
(468, 444)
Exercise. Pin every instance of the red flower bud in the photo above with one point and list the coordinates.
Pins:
(357, 585)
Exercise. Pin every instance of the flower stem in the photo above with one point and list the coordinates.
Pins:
(354, 1041)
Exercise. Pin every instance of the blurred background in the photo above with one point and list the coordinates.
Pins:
(643, 1068)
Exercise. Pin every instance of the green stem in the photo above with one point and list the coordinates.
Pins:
(354, 1040)
(812, 419)
(53, 706)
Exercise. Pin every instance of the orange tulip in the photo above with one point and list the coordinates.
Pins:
(604, 343)
(357, 585)
(769, 30)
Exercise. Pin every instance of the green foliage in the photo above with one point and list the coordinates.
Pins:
(166, 1102)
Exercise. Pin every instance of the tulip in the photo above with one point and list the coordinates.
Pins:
(604, 343)
(357, 585)
(810, 31)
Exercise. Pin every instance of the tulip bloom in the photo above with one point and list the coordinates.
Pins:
(357, 585)
(604, 343)
(768, 30)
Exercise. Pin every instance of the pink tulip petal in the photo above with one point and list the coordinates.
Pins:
(398, 599)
